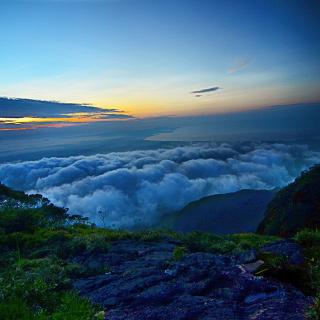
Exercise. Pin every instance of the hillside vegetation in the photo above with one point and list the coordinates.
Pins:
(41, 248)
(295, 207)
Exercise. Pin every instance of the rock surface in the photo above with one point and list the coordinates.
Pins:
(145, 283)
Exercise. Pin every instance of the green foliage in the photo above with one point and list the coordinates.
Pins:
(17, 195)
(73, 307)
(29, 219)
(100, 315)
(307, 237)
(313, 313)
(19, 220)
(35, 275)
(179, 252)
(44, 287)
(15, 309)
(34, 281)
(294, 207)
(37, 246)
(69, 306)
(278, 267)
(272, 261)
(199, 241)
(150, 235)
(247, 241)
(310, 240)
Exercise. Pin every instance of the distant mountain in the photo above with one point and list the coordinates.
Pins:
(294, 207)
(240, 211)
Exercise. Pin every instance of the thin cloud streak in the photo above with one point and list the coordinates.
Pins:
(206, 90)
(240, 65)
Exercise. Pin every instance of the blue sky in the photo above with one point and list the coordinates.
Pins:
(146, 56)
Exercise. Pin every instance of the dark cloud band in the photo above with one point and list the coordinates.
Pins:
(39, 108)
(26, 114)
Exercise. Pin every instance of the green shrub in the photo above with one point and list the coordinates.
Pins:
(198, 241)
(15, 309)
(17, 195)
(179, 252)
(35, 287)
(19, 220)
(245, 241)
(310, 240)
(69, 306)
(41, 284)
(308, 237)
(37, 246)
(73, 307)
(313, 313)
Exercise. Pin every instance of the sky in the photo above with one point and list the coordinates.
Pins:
(150, 58)
(290, 124)
(113, 107)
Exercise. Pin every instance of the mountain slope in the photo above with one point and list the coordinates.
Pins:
(295, 207)
(235, 212)
(55, 266)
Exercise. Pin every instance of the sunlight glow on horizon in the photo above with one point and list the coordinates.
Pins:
(147, 57)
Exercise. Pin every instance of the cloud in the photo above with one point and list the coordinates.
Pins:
(206, 90)
(136, 188)
(28, 112)
(74, 1)
(15, 107)
(238, 66)
(115, 116)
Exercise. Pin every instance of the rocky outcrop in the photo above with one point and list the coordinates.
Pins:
(143, 281)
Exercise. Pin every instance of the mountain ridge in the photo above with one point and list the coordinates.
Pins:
(294, 207)
(235, 212)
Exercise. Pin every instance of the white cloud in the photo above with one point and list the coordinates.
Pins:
(133, 188)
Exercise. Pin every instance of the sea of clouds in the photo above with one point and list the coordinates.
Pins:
(136, 188)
